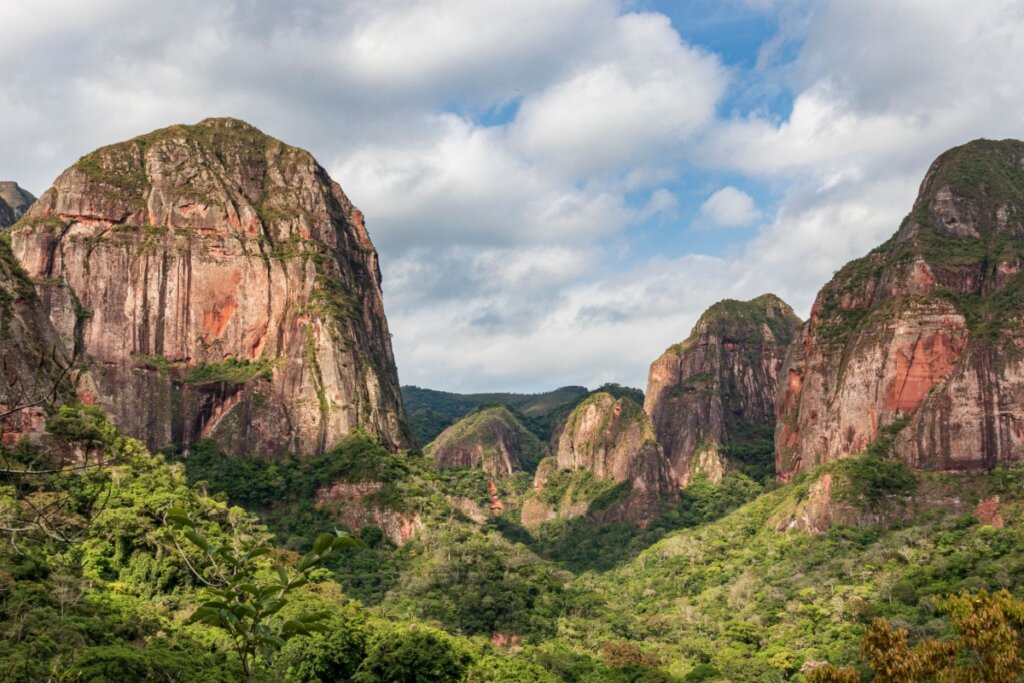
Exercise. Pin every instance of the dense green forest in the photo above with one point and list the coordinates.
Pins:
(431, 411)
(111, 556)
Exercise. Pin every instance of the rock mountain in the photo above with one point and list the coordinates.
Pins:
(215, 282)
(925, 334)
(491, 439)
(605, 439)
(715, 391)
(32, 358)
(14, 202)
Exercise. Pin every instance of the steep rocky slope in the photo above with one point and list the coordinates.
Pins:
(218, 284)
(925, 331)
(491, 439)
(714, 393)
(32, 358)
(14, 202)
(607, 441)
(7, 217)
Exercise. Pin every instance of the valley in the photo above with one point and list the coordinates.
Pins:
(198, 378)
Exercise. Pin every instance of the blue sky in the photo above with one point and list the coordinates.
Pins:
(557, 188)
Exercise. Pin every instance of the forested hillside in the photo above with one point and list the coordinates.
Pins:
(253, 506)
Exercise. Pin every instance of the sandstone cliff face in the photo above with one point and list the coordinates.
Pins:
(32, 357)
(613, 441)
(492, 440)
(218, 284)
(14, 202)
(926, 329)
(353, 505)
(7, 216)
(718, 387)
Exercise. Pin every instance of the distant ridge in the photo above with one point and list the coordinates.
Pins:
(431, 411)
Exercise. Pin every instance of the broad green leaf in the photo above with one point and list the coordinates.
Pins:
(198, 540)
(342, 542)
(274, 607)
(307, 561)
(180, 521)
(291, 627)
(282, 575)
(258, 552)
(323, 543)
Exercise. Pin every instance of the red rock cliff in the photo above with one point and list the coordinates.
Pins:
(217, 283)
(32, 357)
(613, 440)
(926, 329)
(715, 391)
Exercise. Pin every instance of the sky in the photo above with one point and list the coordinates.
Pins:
(557, 188)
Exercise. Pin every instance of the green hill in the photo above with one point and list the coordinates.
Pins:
(431, 412)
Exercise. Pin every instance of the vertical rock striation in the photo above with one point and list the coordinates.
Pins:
(217, 283)
(926, 331)
(611, 440)
(32, 358)
(714, 393)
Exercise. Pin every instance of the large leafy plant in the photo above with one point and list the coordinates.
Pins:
(247, 589)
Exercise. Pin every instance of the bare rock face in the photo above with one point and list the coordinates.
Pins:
(32, 357)
(353, 505)
(610, 440)
(218, 284)
(7, 216)
(14, 202)
(926, 330)
(491, 439)
(717, 389)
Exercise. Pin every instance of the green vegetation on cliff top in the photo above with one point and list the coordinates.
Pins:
(744, 321)
(484, 426)
(431, 412)
(986, 179)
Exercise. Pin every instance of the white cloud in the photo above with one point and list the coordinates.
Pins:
(729, 208)
(487, 49)
(507, 248)
(642, 93)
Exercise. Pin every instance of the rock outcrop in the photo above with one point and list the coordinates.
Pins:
(611, 441)
(32, 357)
(492, 439)
(217, 283)
(14, 202)
(927, 330)
(7, 216)
(713, 395)
(354, 506)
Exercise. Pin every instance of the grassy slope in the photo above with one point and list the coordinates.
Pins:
(757, 602)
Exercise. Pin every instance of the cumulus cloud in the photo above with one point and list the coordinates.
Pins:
(519, 162)
(845, 163)
(644, 91)
(730, 207)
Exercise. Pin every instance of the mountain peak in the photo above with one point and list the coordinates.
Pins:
(227, 286)
(911, 336)
(718, 387)
(763, 316)
(970, 206)
(14, 202)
